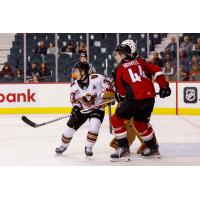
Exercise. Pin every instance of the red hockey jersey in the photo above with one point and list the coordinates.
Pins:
(134, 79)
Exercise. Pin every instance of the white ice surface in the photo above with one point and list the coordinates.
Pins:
(178, 136)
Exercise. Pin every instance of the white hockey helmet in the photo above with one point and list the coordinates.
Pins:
(131, 44)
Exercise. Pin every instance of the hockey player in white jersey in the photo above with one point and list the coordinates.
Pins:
(86, 91)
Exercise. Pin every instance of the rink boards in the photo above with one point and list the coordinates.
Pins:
(54, 98)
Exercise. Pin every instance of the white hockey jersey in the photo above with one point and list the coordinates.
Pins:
(93, 94)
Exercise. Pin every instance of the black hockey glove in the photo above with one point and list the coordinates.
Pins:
(165, 92)
(76, 111)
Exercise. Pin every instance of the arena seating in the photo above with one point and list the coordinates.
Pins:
(101, 46)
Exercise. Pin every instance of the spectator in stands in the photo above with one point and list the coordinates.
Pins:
(196, 60)
(44, 71)
(7, 72)
(52, 49)
(186, 45)
(18, 73)
(184, 75)
(69, 48)
(168, 70)
(195, 72)
(185, 65)
(34, 79)
(169, 66)
(82, 47)
(169, 60)
(41, 49)
(156, 60)
(33, 70)
(172, 48)
(197, 46)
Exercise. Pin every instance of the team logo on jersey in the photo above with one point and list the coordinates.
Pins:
(89, 99)
(190, 95)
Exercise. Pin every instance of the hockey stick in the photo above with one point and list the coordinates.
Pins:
(87, 110)
(84, 111)
(35, 125)
(109, 105)
(110, 114)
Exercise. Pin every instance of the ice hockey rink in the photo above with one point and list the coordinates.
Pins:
(20, 144)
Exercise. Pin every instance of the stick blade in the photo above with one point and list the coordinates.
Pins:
(28, 121)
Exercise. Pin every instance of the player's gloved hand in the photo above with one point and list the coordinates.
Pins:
(165, 91)
(76, 111)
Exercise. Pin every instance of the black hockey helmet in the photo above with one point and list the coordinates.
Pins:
(123, 49)
(83, 66)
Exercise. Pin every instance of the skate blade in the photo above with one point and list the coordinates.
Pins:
(123, 159)
(88, 157)
(156, 156)
(58, 154)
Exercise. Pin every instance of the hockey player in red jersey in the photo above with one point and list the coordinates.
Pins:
(135, 91)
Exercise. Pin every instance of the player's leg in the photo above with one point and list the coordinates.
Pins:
(142, 146)
(124, 112)
(96, 118)
(92, 135)
(146, 131)
(73, 125)
(131, 134)
(148, 136)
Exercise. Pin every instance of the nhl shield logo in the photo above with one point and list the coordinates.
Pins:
(190, 95)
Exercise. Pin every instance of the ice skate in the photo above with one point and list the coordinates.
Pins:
(152, 152)
(60, 149)
(121, 154)
(88, 152)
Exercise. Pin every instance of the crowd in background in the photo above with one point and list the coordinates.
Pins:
(189, 61)
(69, 47)
(37, 73)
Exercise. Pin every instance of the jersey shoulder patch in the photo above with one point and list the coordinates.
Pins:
(94, 76)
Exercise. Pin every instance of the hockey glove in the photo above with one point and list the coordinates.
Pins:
(76, 111)
(165, 92)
